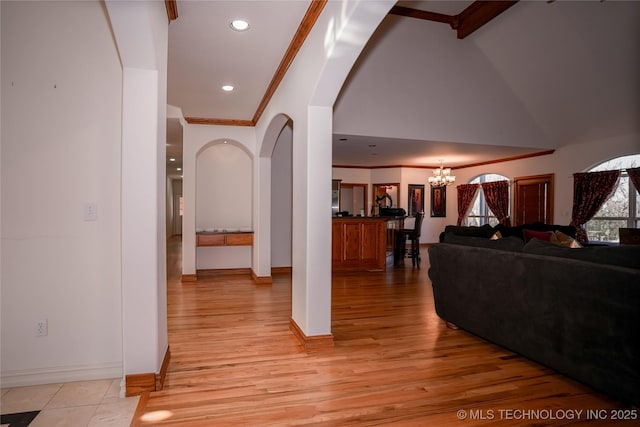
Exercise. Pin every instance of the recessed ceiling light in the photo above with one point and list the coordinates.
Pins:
(179, 169)
(239, 25)
(172, 159)
(227, 88)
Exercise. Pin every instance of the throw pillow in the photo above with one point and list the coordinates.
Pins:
(565, 240)
(497, 235)
(547, 236)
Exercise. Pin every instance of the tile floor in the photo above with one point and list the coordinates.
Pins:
(78, 404)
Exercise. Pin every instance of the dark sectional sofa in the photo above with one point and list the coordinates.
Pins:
(576, 310)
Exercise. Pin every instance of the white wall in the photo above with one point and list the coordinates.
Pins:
(141, 33)
(61, 115)
(281, 188)
(575, 81)
(223, 188)
(459, 97)
(174, 219)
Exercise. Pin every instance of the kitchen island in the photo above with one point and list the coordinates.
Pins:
(362, 243)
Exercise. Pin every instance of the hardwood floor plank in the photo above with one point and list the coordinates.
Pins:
(234, 361)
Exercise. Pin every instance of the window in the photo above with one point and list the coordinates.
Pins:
(480, 213)
(623, 207)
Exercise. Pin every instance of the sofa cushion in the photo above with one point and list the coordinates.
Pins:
(512, 244)
(517, 230)
(624, 256)
(461, 230)
(485, 231)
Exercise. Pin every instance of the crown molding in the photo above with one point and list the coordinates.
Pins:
(219, 122)
(305, 27)
(469, 165)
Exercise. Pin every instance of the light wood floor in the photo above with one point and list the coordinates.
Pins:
(234, 362)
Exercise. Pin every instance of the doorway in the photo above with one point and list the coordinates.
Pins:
(533, 199)
(353, 198)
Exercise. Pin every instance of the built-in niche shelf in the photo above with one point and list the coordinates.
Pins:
(224, 238)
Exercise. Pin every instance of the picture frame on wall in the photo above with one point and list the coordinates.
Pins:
(416, 199)
(439, 201)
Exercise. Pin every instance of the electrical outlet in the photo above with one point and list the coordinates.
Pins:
(42, 328)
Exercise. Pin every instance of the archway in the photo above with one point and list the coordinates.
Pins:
(224, 189)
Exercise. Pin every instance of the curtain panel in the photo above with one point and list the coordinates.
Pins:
(496, 194)
(466, 195)
(634, 175)
(590, 191)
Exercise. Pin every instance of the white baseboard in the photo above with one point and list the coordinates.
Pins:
(65, 374)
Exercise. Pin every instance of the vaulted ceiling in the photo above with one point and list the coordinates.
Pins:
(537, 76)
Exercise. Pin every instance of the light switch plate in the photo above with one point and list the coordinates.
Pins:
(90, 212)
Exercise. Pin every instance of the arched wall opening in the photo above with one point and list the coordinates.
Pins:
(273, 203)
(224, 193)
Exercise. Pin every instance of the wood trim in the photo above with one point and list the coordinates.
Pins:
(208, 272)
(139, 383)
(189, 278)
(507, 159)
(466, 22)
(140, 409)
(422, 14)
(315, 342)
(220, 122)
(280, 270)
(261, 280)
(478, 14)
(144, 383)
(469, 165)
(164, 368)
(172, 9)
(308, 21)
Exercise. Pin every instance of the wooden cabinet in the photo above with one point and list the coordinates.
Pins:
(225, 239)
(359, 243)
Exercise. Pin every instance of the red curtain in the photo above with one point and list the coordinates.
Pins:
(466, 194)
(634, 175)
(496, 194)
(590, 191)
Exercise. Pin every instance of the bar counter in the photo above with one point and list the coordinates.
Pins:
(362, 243)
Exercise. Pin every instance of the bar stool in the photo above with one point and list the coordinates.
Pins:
(412, 234)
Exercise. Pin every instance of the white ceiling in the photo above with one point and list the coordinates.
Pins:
(204, 54)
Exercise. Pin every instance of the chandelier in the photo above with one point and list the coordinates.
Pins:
(441, 177)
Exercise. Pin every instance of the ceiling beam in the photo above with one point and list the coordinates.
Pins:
(422, 14)
(172, 9)
(478, 14)
(466, 22)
